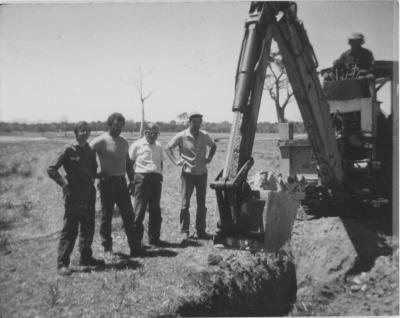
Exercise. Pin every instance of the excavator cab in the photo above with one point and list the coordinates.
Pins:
(363, 133)
(355, 110)
(364, 136)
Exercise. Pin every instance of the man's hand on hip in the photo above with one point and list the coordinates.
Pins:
(66, 191)
(180, 162)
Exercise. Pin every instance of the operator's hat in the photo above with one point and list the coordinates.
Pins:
(357, 37)
(195, 114)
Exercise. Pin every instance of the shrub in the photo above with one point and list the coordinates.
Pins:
(5, 245)
(53, 294)
(23, 169)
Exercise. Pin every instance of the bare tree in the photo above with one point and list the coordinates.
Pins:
(183, 117)
(278, 86)
(64, 123)
(142, 96)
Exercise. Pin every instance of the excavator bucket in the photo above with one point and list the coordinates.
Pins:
(274, 214)
(265, 219)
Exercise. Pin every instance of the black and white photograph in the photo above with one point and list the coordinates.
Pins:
(199, 158)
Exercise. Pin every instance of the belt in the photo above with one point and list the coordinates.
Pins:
(107, 178)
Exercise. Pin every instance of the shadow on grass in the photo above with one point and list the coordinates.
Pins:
(122, 264)
(182, 244)
(149, 253)
(158, 253)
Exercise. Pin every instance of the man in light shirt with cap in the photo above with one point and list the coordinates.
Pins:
(192, 144)
(147, 156)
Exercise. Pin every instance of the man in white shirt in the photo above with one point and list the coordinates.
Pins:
(147, 156)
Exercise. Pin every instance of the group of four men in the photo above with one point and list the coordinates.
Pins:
(142, 162)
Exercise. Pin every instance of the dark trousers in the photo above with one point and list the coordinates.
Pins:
(188, 183)
(114, 190)
(148, 193)
(78, 216)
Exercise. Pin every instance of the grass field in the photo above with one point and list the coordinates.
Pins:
(31, 214)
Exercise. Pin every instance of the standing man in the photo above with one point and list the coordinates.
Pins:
(192, 144)
(112, 151)
(79, 163)
(147, 156)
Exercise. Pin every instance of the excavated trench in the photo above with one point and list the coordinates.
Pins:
(321, 251)
(244, 283)
(241, 284)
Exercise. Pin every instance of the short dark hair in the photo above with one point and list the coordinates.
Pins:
(148, 126)
(79, 126)
(115, 116)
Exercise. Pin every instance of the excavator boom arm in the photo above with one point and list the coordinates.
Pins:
(300, 63)
(301, 67)
(261, 27)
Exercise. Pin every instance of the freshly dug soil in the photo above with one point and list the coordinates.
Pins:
(329, 248)
(344, 267)
(336, 267)
(245, 284)
(242, 284)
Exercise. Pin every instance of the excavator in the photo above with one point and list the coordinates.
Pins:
(347, 133)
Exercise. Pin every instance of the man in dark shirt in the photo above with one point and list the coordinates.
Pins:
(79, 163)
(356, 62)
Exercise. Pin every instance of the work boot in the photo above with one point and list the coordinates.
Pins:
(219, 240)
(90, 261)
(137, 252)
(64, 271)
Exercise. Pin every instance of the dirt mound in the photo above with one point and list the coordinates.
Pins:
(240, 285)
(329, 248)
(344, 268)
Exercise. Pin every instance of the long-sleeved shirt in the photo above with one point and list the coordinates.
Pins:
(80, 167)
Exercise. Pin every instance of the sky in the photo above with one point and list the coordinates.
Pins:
(79, 61)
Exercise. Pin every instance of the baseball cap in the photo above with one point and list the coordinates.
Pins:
(195, 114)
(357, 37)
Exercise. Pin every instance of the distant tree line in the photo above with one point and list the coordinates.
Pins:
(132, 126)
